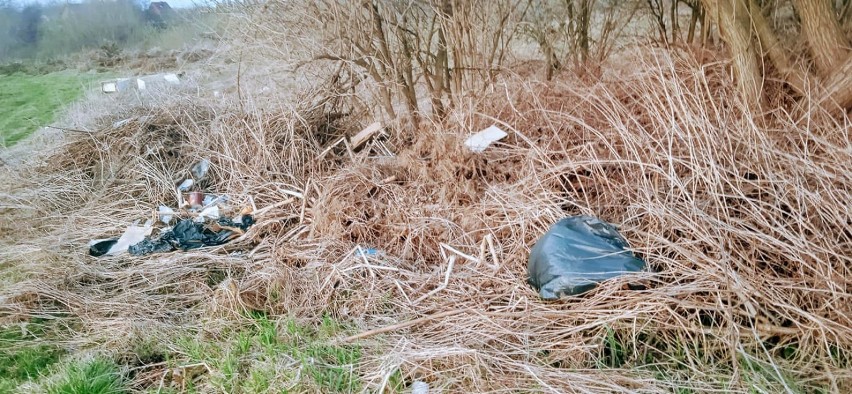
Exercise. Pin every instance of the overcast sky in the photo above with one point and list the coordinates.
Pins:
(173, 3)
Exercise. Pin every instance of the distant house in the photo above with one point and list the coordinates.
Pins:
(159, 13)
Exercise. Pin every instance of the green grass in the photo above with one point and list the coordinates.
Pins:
(24, 355)
(95, 376)
(28, 102)
(275, 355)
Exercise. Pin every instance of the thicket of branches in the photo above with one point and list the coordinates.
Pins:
(436, 51)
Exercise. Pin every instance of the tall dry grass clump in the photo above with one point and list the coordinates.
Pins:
(743, 218)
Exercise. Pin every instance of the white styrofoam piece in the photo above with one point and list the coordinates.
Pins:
(483, 139)
(171, 78)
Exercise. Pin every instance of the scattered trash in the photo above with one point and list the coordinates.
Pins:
(188, 234)
(122, 122)
(171, 78)
(196, 199)
(576, 254)
(100, 247)
(210, 199)
(186, 185)
(419, 387)
(116, 85)
(364, 135)
(366, 252)
(139, 83)
(201, 223)
(165, 213)
(199, 170)
(133, 235)
(211, 212)
(483, 139)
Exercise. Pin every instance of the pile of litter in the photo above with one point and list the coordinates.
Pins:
(202, 223)
(139, 83)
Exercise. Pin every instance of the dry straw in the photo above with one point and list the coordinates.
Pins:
(744, 218)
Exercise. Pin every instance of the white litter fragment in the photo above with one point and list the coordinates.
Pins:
(115, 85)
(211, 212)
(171, 78)
(210, 199)
(186, 184)
(139, 83)
(419, 387)
(199, 170)
(364, 135)
(166, 214)
(121, 123)
(97, 241)
(483, 139)
(132, 236)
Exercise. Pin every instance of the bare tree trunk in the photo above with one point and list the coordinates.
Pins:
(735, 25)
(443, 60)
(693, 21)
(771, 47)
(552, 64)
(673, 17)
(406, 77)
(583, 27)
(826, 42)
(839, 85)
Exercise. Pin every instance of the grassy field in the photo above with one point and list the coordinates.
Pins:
(28, 102)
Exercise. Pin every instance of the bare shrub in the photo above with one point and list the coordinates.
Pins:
(449, 49)
(579, 32)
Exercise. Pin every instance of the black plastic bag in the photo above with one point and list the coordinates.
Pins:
(101, 248)
(576, 254)
(188, 234)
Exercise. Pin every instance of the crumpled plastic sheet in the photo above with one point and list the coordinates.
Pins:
(576, 254)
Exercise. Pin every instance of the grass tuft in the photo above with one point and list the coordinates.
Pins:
(95, 376)
(25, 354)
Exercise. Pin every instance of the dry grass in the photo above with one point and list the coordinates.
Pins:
(744, 218)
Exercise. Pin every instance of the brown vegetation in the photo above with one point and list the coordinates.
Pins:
(742, 215)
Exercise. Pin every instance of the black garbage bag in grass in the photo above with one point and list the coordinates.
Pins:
(576, 254)
(188, 234)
